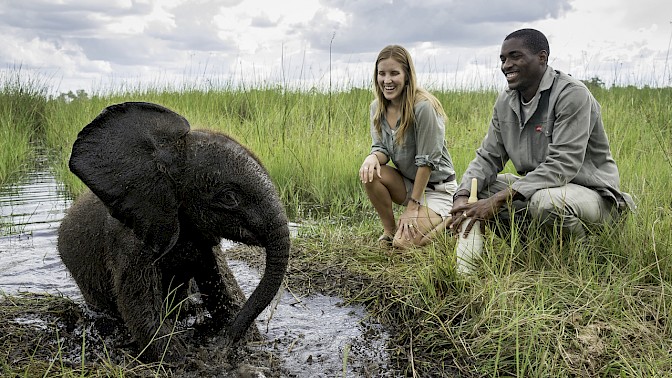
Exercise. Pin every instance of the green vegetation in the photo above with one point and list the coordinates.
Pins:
(550, 307)
(22, 104)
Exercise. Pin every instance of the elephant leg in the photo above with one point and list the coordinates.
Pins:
(141, 304)
(83, 253)
(220, 292)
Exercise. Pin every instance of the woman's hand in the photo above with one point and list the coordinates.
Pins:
(408, 222)
(370, 166)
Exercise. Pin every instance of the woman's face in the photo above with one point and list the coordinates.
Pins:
(391, 79)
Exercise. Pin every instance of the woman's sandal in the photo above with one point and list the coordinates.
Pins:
(385, 240)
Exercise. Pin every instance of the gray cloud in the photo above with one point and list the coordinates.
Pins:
(84, 23)
(124, 51)
(368, 25)
(372, 24)
(263, 21)
(46, 18)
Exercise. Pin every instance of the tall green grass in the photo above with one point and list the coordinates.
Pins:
(65, 120)
(312, 157)
(549, 307)
(312, 142)
(22, 102)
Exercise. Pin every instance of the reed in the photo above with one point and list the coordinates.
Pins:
(550, 307)
(46, 336)
(22, 101)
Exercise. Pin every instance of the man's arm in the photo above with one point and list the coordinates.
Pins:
(490, 158)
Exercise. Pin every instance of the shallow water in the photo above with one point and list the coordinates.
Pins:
(30, 213)
(312, 335)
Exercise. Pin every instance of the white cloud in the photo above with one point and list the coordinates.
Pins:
(620, 42)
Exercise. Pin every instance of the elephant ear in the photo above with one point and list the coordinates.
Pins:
(125, 156)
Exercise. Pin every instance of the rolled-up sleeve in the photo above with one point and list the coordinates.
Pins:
(430, 135)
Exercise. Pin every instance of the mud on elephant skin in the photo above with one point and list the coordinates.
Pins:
(161, 198)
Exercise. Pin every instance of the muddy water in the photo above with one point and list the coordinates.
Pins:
(313, 336)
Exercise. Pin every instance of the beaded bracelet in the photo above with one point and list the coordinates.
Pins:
(416, 201)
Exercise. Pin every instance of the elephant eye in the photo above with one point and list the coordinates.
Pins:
(227, 200)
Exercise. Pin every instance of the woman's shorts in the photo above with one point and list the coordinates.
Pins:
(439, 199)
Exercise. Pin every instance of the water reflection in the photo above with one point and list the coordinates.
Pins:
(30, 213)
(311, 335)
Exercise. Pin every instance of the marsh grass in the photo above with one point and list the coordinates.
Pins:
(22, 102)
(539, 305)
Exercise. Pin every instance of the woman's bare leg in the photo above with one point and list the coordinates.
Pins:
(382, 192)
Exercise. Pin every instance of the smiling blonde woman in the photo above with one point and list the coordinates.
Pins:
(407, 129)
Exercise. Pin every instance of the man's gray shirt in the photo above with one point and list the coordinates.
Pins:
(563, 141)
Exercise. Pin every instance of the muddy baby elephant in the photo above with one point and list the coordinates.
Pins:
(161, 199)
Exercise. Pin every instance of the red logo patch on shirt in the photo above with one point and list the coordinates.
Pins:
(537, 128)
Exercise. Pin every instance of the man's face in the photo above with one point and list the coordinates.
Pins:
(522, 68)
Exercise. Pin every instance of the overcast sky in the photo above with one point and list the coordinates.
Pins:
(118, 44)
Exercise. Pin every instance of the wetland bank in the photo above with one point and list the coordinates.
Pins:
(547, 307)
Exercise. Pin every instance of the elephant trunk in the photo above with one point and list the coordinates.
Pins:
(277, 256)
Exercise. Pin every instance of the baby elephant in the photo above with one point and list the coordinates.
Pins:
(162, 198)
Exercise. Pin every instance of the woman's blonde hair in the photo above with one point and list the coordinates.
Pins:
(411, 95)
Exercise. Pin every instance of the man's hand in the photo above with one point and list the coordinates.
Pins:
(459, 215)
(481, 210)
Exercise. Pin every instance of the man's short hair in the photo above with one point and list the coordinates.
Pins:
(532, 39)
